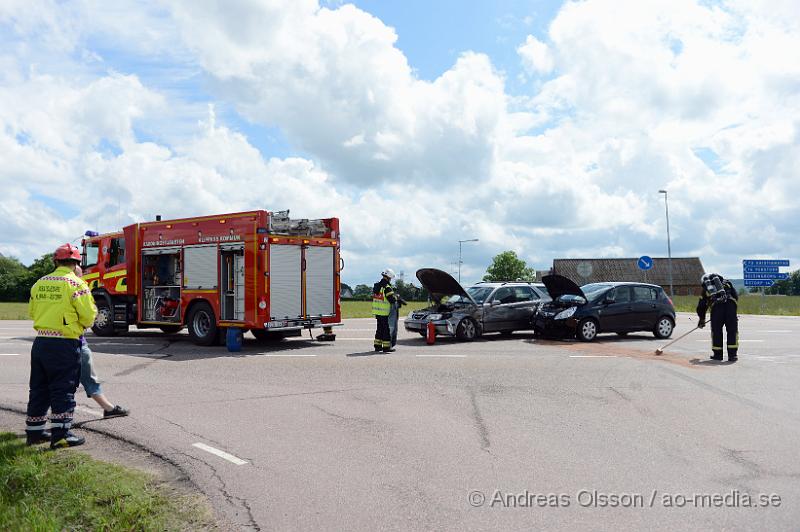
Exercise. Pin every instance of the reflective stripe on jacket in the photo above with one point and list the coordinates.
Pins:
(61, 305)
(380, 301)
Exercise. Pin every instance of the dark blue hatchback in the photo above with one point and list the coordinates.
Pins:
(613, 307)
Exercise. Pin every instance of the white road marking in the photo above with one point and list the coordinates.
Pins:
(774, 331)
(740, 341)
(442, 356)
(9, 354)
(103, 344)
(286, 355)
(221, 454)
(593, 356)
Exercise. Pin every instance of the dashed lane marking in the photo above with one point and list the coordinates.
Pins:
(299, 355)
(222, 454)
(740, 341)
(9, 354)
(103, 344)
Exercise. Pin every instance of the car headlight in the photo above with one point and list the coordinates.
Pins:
(564, 314)
(434, 317)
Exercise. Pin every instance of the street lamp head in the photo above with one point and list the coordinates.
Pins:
(662, 191)
(469, 240)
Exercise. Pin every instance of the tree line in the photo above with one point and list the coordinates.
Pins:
(788, 287)
(16, 279)
(506, 266)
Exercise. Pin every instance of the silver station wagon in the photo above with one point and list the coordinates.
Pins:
(481, 308)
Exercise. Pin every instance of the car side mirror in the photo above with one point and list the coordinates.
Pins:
(494, 303)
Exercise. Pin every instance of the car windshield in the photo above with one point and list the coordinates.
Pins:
(478, 293)
(595, 289)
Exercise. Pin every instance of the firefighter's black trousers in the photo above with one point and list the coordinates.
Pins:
(724, 315)
(55, 373)
(383, 339)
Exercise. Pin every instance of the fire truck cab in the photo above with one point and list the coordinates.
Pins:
(260, 271)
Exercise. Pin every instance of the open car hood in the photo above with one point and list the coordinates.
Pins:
(441, 284)
(558, 285)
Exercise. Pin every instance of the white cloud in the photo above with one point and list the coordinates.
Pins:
(536, 56)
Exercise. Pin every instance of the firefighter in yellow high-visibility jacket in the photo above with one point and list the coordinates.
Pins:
(61, 307)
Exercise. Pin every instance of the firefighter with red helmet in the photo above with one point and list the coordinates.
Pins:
(721, 297)
(382, 300)
(61, 307)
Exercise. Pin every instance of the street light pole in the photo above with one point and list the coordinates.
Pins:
(669, 245)
(459, 255)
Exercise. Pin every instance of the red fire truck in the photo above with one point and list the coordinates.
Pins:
(260, 271)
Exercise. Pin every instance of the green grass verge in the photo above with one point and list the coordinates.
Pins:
(14, 311)
(363, 309)
(65, 490)
(750, 304)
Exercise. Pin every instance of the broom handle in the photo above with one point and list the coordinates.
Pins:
(680, 337)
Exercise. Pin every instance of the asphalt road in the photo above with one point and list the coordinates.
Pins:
(501, 434)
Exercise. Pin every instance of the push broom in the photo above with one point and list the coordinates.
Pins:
(660, 350)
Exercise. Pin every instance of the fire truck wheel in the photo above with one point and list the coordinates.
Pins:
(104, 322)
(202, 324)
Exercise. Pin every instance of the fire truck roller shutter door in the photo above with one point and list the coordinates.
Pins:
(285, 281)
(319, 281)
(200, 267)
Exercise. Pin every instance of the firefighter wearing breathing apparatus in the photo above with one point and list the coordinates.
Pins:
(383, 299)
(720, 295)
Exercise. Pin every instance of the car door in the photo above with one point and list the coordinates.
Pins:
(645, 306)
(498, 313)
(616, 316)
(526, 303)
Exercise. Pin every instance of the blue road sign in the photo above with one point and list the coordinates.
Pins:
(761, 269)
(644, 262)
(757, 282)
(765, 262)
(773, 276)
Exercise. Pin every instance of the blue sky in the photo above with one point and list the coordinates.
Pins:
(433, 34)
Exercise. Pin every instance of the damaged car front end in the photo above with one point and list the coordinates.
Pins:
(454, 311)
(557, 319)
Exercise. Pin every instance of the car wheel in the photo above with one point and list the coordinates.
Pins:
(466, 331)
(202, 324)
(587, 330)
(664, 327)
(423, 334)
(104, 321)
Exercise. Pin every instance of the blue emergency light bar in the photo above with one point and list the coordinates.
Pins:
(91, 234)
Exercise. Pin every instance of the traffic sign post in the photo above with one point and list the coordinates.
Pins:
(763, 273)
(644, 263)
(759, 282)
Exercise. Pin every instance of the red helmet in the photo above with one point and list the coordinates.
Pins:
(67, 252)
